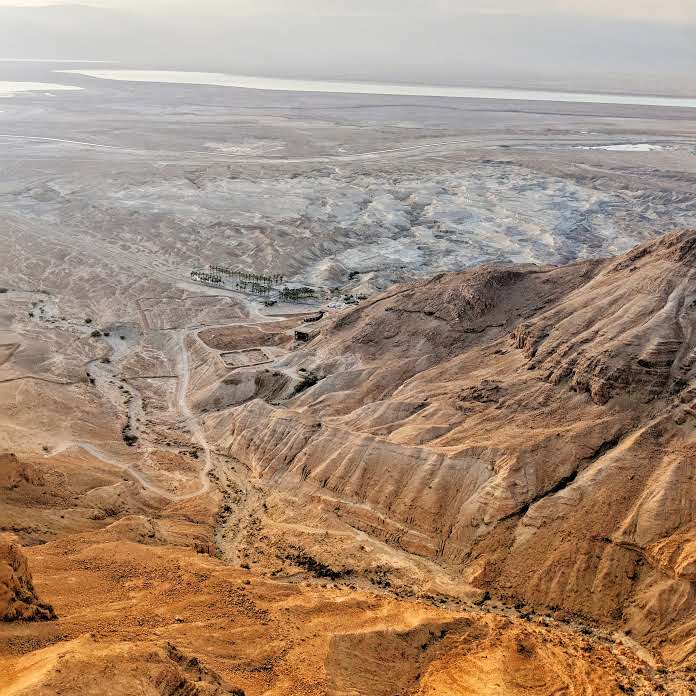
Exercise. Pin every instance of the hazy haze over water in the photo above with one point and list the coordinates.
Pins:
(617, 45)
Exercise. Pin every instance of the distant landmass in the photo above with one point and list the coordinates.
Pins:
(544, 52)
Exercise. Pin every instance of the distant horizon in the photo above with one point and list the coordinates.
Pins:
(494, 83)
(529, 44)
(497, 82)
(336, 86)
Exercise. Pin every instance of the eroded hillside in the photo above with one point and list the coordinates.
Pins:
(479, 484)
(529, 430)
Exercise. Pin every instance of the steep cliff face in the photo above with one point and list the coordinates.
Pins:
(531, 428)
(629, 330)
(18, 600)
(14, 473)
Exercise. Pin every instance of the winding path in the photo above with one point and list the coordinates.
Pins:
(212, 155)
(191, 421)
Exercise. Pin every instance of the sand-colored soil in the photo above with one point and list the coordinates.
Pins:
(244, 337)
(136, 617)
(477, 484)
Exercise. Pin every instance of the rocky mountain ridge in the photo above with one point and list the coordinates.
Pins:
(530, 429)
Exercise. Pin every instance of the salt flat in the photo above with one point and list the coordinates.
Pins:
(10, 88)
(378, 88)
(112, 192)
(624, 147)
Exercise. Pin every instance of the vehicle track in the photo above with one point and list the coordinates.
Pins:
(213, 156)
(191, 419)
(193, 424)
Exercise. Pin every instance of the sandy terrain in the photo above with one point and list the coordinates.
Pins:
(292, 571)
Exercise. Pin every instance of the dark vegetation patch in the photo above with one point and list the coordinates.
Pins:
(308, 381)
(128, 437)
(315, 567)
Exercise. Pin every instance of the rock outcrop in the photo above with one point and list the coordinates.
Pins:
(14, 472)
(18, 599)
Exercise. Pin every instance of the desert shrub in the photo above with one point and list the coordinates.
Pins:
(307, 382)
(129, 438)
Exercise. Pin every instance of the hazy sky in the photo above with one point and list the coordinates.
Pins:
(657, 10)
(575, 44)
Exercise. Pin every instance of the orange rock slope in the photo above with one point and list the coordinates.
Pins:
(531, 430)
(155, 620)
(18, 599)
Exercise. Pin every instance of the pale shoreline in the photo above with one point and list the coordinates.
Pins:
(375, 88)
(9, 88)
